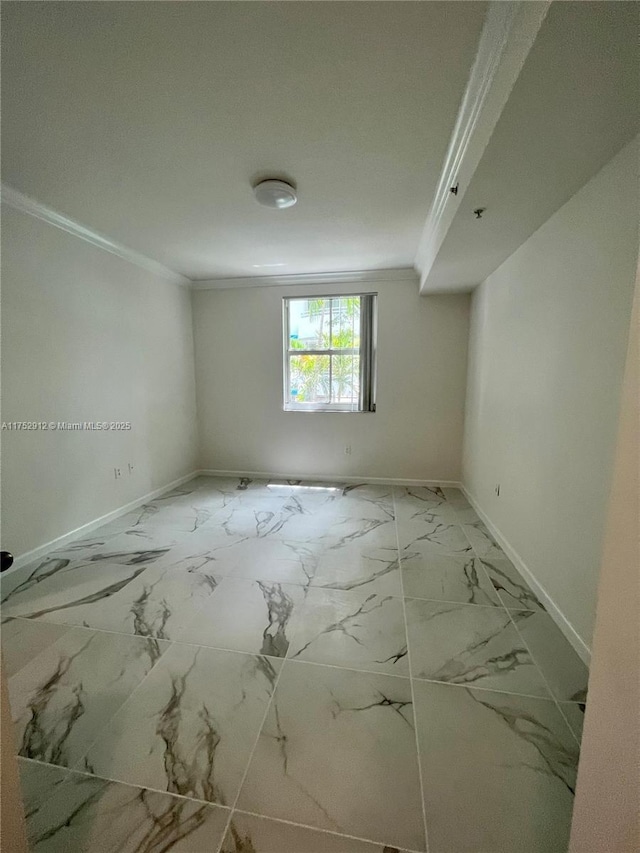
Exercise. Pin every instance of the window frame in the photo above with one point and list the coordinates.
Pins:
(367, 359)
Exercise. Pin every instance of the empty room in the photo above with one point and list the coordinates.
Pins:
(319, 435)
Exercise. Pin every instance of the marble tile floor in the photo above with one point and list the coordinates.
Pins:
(283, 667)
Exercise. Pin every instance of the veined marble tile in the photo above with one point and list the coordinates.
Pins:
(257, 518)
(374, 493)
(337, 751)
(251, 834)
(427, 495)
(299, 522)
(38, 782)
(23, 639)
(214, 494)
(183, 517)
(416, 518)
(565, 672)
(54, 587)
(440, 537)
(446, 578)
(86, 814)
(357, 628)
(419, 503)
(190, 727)
(364, 502)
(498, 771)
(61, 700)
(465, 644)
(279, 560)
(360, 500)
(312, 517)
(455, 497)
(307, 485)
(466, 514)
(483, 542)
(158, 603)
(124, 546)
(138, 544)
(251, 484)
(574, 712)
(314, 514)
(358, 535)
(74, 555)
(245, 615)
(511, 588)
(209, 541)
(116, 527)
(352, 568)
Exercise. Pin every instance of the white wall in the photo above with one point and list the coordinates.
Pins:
(416, 432)
(547, 350)
(87, 336)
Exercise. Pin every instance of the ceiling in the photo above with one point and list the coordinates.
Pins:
(148, 122)
(575, 104)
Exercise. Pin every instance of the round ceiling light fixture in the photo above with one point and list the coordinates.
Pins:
(275, 194)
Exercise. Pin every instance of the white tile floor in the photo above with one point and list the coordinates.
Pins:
(253, 667)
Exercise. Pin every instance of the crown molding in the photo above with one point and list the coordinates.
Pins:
(509, 31)
(348, 277)
(24, 203)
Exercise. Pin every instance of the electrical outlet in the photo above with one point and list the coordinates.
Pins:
(117, 473)
(347, 450)
(497, 490)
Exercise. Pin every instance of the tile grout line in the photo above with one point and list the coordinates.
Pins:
(506, 610)
(325, 831)
(285, 661)
(552, 694)
(413, 697)
(271, 657)
(102, 778)
(71, 772)
(126, 701)
(250, 759)
(544, 678)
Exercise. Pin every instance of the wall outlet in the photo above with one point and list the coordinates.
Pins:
(347, 450)
(131, 467)
(117, 473)
(497, 490)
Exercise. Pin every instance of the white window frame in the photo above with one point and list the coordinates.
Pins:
(367, 352)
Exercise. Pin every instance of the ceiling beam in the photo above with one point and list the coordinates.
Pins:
(321, 278)
(508, 34)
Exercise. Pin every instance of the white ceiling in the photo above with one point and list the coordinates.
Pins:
(575, 104)
(148, 122)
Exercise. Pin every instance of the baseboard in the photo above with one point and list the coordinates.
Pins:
(43, 550)
(328, 478)
(552, 608)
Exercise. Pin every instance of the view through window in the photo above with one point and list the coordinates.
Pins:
(329, 353)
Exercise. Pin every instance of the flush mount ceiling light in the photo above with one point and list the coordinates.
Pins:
(275, 194)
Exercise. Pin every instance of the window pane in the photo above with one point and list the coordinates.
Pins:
(309, 323)
(345, 379)
(309, 379)
(345, 322)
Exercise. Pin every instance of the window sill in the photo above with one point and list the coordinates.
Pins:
(311, 411)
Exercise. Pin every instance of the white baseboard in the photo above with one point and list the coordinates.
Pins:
(328, 478)
(43, 550)
(552, 608)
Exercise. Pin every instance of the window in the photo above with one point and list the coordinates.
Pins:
(329, 354)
